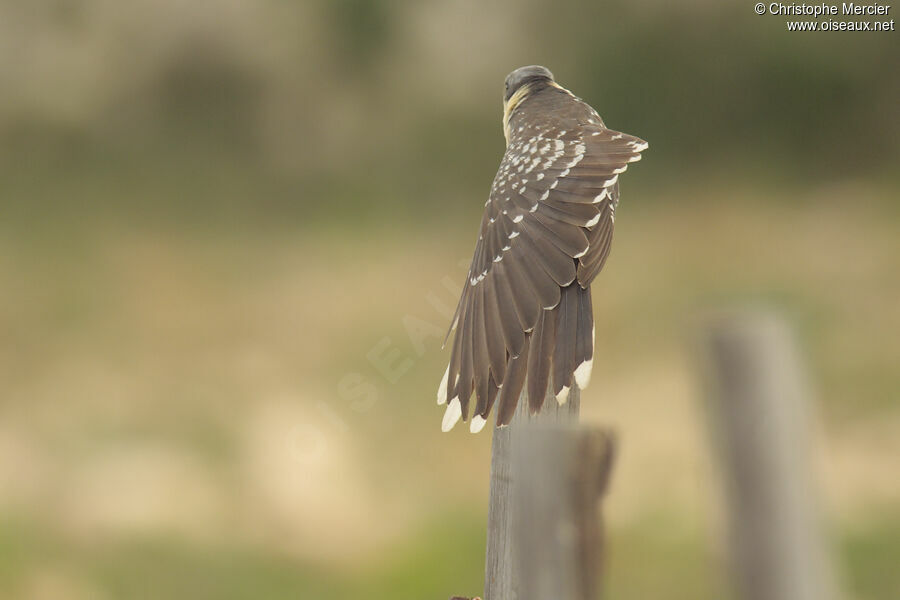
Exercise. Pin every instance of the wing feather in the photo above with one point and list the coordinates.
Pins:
(540, 359)
(494, 333)
(513, 326)
(564, 353)
(546, 289)
(568, 238)
(480, 355)
(465, 384)
(524, 297)
(555, 262)
(579, 215)
(508, 397)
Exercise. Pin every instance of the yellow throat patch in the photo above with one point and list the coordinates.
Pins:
(510, 105)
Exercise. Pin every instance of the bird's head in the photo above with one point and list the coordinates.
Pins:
(525, 76)
(519, 84)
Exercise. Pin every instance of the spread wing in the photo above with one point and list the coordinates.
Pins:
(544, 236)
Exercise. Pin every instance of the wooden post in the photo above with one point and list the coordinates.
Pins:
(559, 474)
(499, 583)
(760, 418)
(543, 529)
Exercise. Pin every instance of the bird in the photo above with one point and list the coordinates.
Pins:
(524, 318)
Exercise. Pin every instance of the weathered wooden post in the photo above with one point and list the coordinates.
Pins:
(759, 413)
(547, 476)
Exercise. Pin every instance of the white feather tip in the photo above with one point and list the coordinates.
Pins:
(477, 424)
(442, 388)
(583, 373)
(452, 415)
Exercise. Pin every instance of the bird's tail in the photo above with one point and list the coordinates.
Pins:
(573, 356)
(559, 353)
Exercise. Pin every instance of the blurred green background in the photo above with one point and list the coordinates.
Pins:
(230, 232)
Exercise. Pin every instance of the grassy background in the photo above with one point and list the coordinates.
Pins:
(213, 216)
